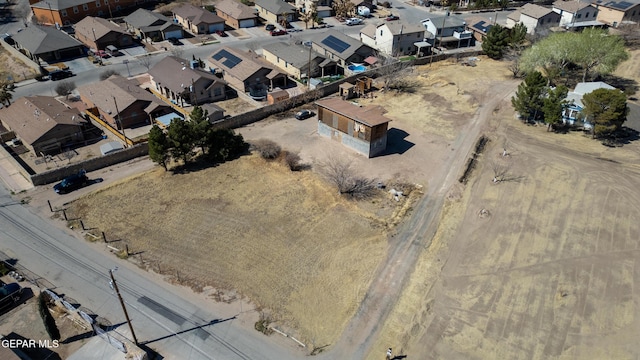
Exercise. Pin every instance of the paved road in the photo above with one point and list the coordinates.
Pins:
(162, 316)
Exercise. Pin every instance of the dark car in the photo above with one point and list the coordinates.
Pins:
(71, 183)
(10, 294)
(392, 17)
(60, 74)
(221, 33)
(270, 27)
(304, 114)
(278, 32)
(174, 41)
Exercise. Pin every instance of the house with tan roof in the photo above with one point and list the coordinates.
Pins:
(576, 14)
(618, 12)
(361, 128)
(276, 11)
(296, 59)
(182, 81)
(393, 38)
(46, 43)
(98, 33)
(247, 71)
(44, 124)
(121, 102)
(198, 20)
(236, 14)
(479, 26)
(536, 18)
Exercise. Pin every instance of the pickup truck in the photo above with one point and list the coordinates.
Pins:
(10, 294)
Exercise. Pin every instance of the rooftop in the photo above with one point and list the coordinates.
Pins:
(197, 15)
(276, 6)
(99, 27)
(236, 9)
(43, 39)
(368, 115)
(176, 74)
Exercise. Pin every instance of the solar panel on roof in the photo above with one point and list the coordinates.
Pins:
(482, 26)
(620, 5)
(230, 59)
(335, 44)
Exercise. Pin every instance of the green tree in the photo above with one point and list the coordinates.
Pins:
(553, 104)
(496, 42)
(159, 146)
(517, 35)
(199, 121)
(598, 51)
(606, 109)
(528, 100)
(180, 136)
(223, 144)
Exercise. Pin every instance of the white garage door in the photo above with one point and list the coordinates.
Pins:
(247, 23)
(215, 27)
(173, 34)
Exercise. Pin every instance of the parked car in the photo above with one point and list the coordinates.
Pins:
(73, 182)
(10, 294)
(278, 32)
(221, 33)
(174, 41)
(304, 114)
(392, 17)
(113, 51)
(270, 27)
(354, 21)
(59, 74)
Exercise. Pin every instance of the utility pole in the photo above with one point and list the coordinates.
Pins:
(119, 120)
(95, 40)
(309, 69)
(126, 314)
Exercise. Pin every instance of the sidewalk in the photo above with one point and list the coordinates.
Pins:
(13, 179)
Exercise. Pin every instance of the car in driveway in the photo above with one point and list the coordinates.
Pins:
(353, 21)
(70, 183)
(270, 27)
(278, 32)
(59, 74)
(174, 41)
(304, 114)
(392, 17)
(221, 33)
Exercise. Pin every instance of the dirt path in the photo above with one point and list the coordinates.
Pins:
(363, 330)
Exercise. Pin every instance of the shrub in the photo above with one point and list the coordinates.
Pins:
(49, 322)
(293, 161)
(106, 74)
(268, 149)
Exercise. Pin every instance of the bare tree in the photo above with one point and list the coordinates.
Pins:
(268, 149)
(108, 73)
(65, 88)
(340, 172)
(502, 172)
(293, 161)
(22, 11)
(396, 74)
(145, 60)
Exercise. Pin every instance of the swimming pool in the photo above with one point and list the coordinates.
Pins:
(356, 68)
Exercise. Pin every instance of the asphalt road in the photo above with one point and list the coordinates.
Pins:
(162, 315)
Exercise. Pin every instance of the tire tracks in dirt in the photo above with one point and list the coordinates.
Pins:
(412, 238)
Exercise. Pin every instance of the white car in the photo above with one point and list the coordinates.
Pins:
(354, 21)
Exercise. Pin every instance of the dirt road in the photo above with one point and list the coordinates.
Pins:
(363, 330)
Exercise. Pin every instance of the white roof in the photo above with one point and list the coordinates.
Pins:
(110, 147)
(584, 88)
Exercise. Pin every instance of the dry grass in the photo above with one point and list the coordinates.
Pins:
(13, 68)
(284, 239)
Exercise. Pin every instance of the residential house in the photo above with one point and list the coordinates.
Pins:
(536, 18)
(341, 48)
(447, 32)
(276, 11)
(214, 112)
(323, 7)
(572, 112)
(198, 20)
(236, 14)
(361, 128)
(247, 71)
(66, 12)
(393, 38)
(366, 3)
(479, 27)
(295, 60)
(48, 44)
(576, 14)
(98, 33)
(152, 25)
(44, 124)
(616, 13)
(181, 81)
(121, 102)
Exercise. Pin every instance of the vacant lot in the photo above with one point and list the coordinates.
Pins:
(542, 266)
(285, 239)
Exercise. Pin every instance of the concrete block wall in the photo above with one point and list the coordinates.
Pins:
(91, 164)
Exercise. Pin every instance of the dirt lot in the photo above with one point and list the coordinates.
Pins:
(286, 240)
(546, 271)
(13, 69)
